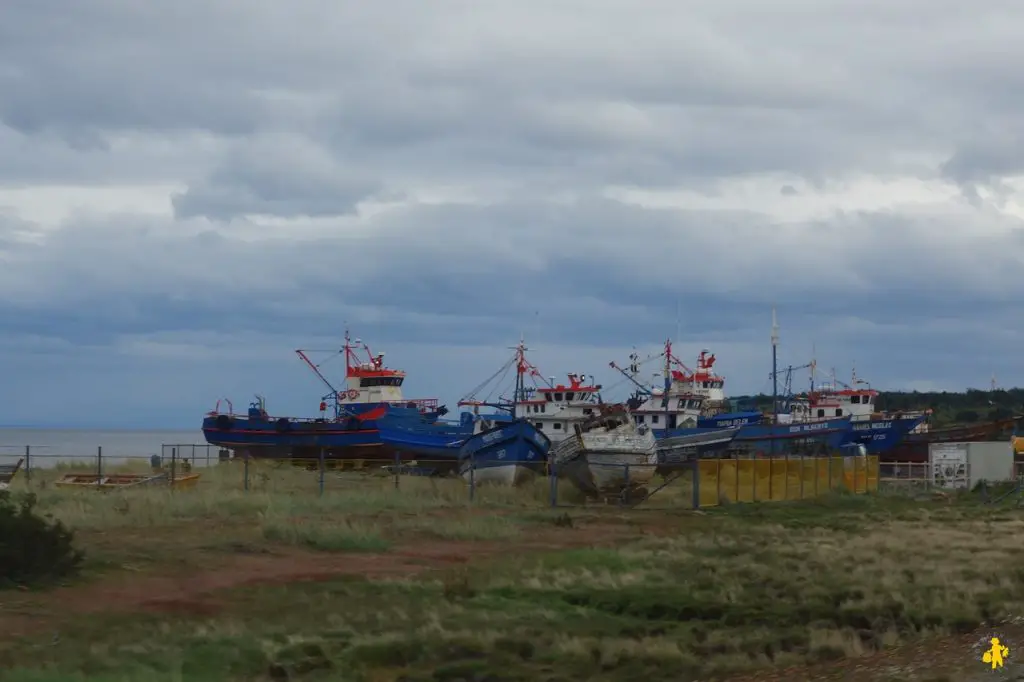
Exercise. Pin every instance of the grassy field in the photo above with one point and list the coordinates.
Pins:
(370, 583)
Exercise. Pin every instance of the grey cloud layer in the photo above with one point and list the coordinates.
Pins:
(567, 90)
(439, 171)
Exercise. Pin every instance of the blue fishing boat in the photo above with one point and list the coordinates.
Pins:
(693, 403)
(347, 426)
(877, 431)
(511, 452)
(499, 447)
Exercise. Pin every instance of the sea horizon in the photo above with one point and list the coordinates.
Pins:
(45, 446)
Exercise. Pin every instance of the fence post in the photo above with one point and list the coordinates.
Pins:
(771, 475)
(245, 472)
(552, 482)
(718, 481)
(829, 472)
(696, 482)
(626, 493)
(174, 464)
(99, 464)
(28, 463)
(398, 467)
(321, 472)
(472, 477)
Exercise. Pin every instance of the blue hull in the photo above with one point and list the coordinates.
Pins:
(880, 435)
(517, 444)
(761, 437)
(357, 437)
(729, 419)
(509, 443)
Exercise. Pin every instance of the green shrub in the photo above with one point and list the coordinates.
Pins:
(33, 549)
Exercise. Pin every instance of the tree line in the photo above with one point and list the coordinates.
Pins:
(947, 407)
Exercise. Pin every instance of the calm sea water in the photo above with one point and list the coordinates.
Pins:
(49, 446)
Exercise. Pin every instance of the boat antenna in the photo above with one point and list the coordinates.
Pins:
(679, 332)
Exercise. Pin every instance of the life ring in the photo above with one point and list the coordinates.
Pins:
(224, 422)
(283, 424)
(353, 394)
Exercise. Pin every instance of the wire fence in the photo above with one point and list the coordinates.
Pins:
(689, 484)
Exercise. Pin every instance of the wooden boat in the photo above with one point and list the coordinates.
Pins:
(125, 481)
(7, 472)
(914, 447)
(608, 454)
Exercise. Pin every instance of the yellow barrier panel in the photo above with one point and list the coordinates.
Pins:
(822, 481)
(809, 477)
(746, 480)
(762, 480)
(835, 473)
(727, 483)
(794, 489)
(708, 483)
(781, 478)
(777, 482)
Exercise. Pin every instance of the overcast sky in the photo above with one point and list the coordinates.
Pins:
(190, 190)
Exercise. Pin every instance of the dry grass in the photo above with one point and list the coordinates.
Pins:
(736, 588)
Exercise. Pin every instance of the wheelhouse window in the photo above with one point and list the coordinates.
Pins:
(370, 382)
(821, 413)
(558, 397)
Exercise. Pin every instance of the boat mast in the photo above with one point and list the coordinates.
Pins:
(668, 382)
(520, 369)
(775, 377)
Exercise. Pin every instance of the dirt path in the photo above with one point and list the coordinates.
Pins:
(195, 592)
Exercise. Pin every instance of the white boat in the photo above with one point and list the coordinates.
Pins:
(607, 455)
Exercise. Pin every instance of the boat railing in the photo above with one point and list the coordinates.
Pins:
(425, 404)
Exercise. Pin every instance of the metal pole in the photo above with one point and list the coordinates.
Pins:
(775, 378)
(99, 464)
(28, 463)
(174, 464)
(245, 471)
(785, 491)
(625, 497)
(472, 477)
(552, 482)
(696, 482)
(398, 467)
(321, 472)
